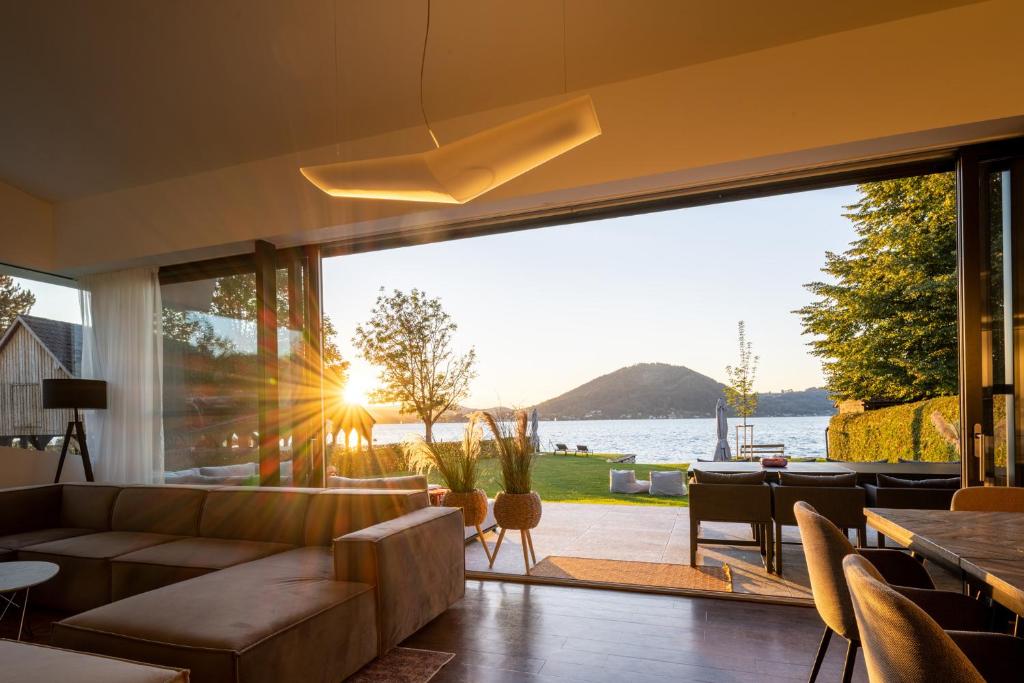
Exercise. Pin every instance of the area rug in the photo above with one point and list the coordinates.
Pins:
(659, 574)
(403, 665)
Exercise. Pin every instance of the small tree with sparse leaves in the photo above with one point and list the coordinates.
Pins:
(739, 392)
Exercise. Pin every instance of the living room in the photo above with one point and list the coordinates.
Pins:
(175, 500)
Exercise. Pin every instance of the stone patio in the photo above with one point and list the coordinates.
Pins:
(656, 534)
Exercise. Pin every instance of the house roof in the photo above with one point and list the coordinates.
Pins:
(62, 339)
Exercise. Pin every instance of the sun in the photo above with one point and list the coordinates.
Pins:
(361, 383)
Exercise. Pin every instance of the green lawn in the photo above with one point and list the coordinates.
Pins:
(578, 479)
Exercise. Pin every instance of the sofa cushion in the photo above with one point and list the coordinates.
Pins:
(24, 508)
(818, 480)
(169, 510)
(334, 513)
(84, 578)
(415, 482)
(87, 506)
(37, 536)
(275, 619)
(255, 514)
(30, 663)
(886, 481)
(245, 469)
(167, 563)
(747, 478)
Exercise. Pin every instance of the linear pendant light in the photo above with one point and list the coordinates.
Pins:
(462, 170)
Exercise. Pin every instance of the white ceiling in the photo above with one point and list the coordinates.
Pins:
(108, 94)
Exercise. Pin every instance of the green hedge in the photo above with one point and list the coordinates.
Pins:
(907, 431)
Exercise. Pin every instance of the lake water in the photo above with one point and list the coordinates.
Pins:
(650, 440)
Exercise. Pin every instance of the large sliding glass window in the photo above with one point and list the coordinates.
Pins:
(211, 425)
(242, 399)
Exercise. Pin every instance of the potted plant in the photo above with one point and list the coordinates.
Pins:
(517, 506)
(457, 466)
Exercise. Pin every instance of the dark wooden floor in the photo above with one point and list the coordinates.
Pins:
(512, 632)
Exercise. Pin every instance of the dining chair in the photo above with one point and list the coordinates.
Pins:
(826, 546)
(903, 644)
(988, 499)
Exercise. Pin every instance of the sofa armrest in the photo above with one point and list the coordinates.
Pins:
(26, 508)
(416, 564)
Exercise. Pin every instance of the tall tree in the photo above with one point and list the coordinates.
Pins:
(739, 392)
(14, 301)
(409, 338)
(885, 325)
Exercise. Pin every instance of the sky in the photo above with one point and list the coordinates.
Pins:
(551, 308)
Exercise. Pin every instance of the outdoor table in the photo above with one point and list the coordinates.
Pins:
(985, 546)
(21, 576)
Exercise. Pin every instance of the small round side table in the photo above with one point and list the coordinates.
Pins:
(22, 576)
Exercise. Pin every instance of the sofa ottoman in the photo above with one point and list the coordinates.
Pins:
(280, 618)
(29, 663)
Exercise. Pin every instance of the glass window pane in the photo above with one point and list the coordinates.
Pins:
(210, 381)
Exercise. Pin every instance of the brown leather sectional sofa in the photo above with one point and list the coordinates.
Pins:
(235, 583)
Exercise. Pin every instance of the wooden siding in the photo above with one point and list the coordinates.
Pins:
(24, 364)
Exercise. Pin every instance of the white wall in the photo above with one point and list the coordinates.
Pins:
(26, 230)
(23, 467)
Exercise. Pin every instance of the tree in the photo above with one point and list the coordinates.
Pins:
(739, 392)
(885, 327)
(335, 367)
(409, 338)
(14, 301)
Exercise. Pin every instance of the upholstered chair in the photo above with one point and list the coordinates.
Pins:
(732, 497)
(903, 644)
(988, 499)
(825, 547)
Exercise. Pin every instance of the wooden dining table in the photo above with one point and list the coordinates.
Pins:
(987, 547)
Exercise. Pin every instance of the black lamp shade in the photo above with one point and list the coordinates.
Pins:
(87, 394)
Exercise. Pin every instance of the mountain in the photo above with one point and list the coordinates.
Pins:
(659, 390)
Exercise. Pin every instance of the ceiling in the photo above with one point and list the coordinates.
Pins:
(109, 94)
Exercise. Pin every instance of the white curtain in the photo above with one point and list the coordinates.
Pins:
(122, 344)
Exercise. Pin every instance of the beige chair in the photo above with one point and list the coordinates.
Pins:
(903, 644)
(825, 547)
(988, 499)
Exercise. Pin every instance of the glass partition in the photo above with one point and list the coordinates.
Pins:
(211, 425)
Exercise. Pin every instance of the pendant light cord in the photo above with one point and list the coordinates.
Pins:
(565, 68)
(337, 107)
(423, 65)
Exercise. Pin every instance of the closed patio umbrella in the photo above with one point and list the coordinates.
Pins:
(722, 451)
(534, 433)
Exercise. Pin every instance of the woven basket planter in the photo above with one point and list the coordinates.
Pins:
(472, 503)
(517, 510)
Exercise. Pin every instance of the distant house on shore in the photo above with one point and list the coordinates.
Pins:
(31, 350)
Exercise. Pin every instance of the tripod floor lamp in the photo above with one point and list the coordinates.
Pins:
(75, 394)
